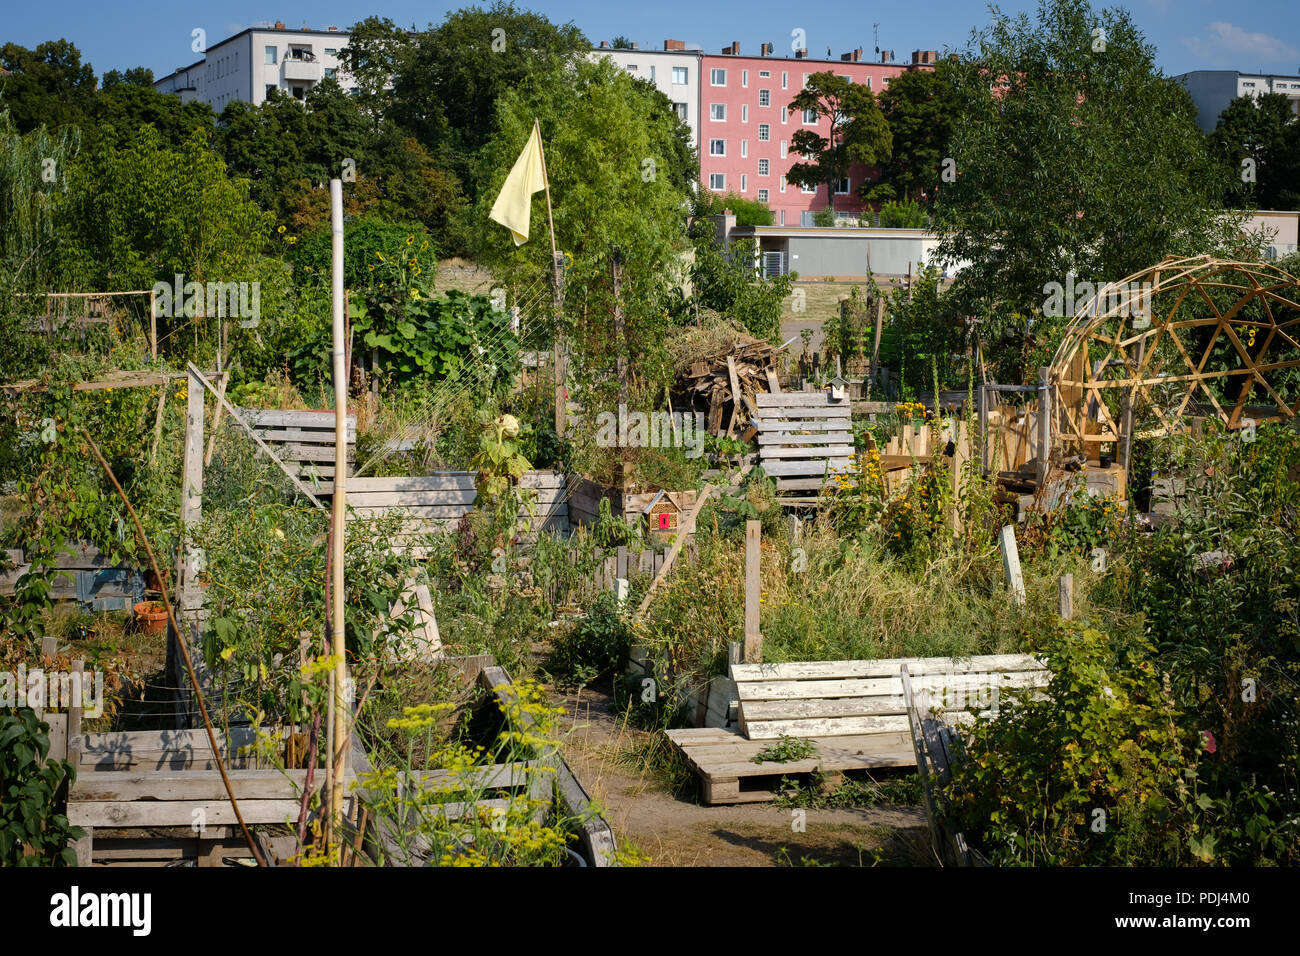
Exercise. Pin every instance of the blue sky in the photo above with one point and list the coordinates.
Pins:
(1263, 35)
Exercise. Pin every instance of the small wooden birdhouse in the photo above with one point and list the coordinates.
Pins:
(839, 388)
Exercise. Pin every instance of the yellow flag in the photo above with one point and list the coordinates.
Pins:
(514, 206)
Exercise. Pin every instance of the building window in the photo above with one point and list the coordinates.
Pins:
(330, 71)
(785, 115)
(270, 56)
(717, 77)
(764, 74)
(764, 132)
(744, 113)
(679, 75)
(717, 181)
(842, 187)
(764, 167)
(783, 217)
(808, 191)
(1250, 83)
(269, 88)
(785, 79)
(631, 67)
(680, 109)
(744, 183)
(781, 183)
(783, 149)
(718, 111)
(805, 82)
(809, 117)
(717, 147)
(331, 51)
(744, 148)
(764, 97)
(846, 78)
(762, 195)
(652, 72)
(744, 77)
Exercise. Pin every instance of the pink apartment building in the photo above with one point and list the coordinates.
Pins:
(746, 126)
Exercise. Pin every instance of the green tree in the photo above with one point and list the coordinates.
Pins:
(119, 111)
(1254, 131)
(918, 106)
(726, 281)
(46, 86)
(446, 91)
(378, 50)
(858, 132)
(749, 212)
(135, 76)
(28, 197)
(1073, 154)
(621, 42)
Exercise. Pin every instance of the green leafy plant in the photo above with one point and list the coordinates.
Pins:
(32, 833)
(786, 750)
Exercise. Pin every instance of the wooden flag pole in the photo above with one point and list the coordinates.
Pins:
(561, 371)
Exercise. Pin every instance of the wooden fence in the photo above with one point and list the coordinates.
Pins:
(85, 574)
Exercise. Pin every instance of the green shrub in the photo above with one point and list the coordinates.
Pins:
(595, 645)
(29, 788)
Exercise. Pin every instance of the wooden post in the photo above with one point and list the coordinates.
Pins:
(191, 495)
(342, 705)
(735, 395)
(985, 464)
(875, 348)
(158, 425)
(216, 417)
(153, 329)
(753, 636)
(1011, 563)
(1044, 427)
(1126, 439)
(1065, 596)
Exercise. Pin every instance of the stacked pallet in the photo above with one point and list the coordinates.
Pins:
(83, 574)
(803, 437)
(303, 440)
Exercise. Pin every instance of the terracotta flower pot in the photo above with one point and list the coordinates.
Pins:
(152, 617)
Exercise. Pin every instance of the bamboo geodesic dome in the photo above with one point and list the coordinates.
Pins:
(1196, 336)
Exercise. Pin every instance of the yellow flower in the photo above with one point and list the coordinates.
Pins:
(281, 229)
(410, 239)
(292, 240)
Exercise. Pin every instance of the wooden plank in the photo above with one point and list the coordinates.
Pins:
(735, 394)
(1011, 563)
(886, 667)
(817, 467)
(781, 452)
(295, 418)
(795, 413)
(165, 785)
(766, 400)
(773, 386)
(804, 438)
(147, 813)
(800, 484)
(753, 572)
(1065, 596)
(883, 686)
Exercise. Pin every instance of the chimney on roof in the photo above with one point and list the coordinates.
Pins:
(674, 45)
(333, 29)
(279, 24)
(886, 56)
(801, 53)
(846, 57)
(733, 50)
(857, 55)
(604, 44)
(924, 56)
(766, 49)
(634, 46)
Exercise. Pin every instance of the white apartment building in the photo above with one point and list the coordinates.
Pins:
(675, 71)
(248, 65)
(1213, 90)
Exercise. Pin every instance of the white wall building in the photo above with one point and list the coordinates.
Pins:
(248, 65)
(1213, 90)
(675, 71)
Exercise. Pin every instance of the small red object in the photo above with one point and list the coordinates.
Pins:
(1208, 739)
(664, 521)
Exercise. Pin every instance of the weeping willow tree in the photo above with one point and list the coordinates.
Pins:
(32, 175)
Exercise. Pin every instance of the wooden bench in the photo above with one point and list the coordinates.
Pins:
(854, 712)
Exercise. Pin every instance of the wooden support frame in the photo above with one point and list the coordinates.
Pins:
(1217, 330)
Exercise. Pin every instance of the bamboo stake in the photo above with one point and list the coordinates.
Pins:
(561, 410)
(341, 744)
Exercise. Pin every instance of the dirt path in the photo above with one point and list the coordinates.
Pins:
(676, 832)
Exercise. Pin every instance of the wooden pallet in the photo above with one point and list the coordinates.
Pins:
(438, 502)
(303, 440)
(724, 761)
(803, 437)
(844, 698)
